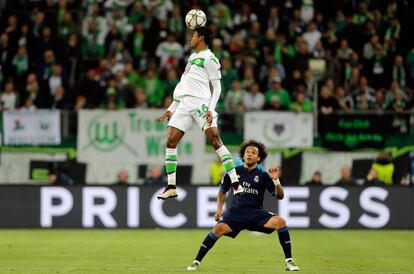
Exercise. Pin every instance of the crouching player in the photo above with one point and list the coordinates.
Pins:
(247, 210)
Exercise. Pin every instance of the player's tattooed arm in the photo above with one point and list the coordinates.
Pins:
(274, 173)
(221, 198)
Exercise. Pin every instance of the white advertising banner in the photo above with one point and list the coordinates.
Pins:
(111, 140)
(40, 127)
(279, 129)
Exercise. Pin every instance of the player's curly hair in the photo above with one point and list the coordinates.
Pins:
(252, 143)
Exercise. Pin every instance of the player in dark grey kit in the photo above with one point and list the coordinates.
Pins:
(247, 210)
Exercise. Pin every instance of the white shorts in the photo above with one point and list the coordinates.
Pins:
(192, 109)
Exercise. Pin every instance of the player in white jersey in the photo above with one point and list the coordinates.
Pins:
(195, 99)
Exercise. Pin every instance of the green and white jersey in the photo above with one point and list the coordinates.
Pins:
(202, 67)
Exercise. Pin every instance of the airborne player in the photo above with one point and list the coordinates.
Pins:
(195, 99)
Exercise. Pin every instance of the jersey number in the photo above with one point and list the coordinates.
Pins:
(201, 111)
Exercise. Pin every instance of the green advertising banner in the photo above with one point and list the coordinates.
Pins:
(353, 131)
(111, 140)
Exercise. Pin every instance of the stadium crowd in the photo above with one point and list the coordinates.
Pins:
(113, 54)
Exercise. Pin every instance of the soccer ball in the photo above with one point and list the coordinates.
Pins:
(195, 18)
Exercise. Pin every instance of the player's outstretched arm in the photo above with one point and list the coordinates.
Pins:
(274, 173)
(166, 116)
(169, 112)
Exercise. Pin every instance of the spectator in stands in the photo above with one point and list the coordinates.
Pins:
(45, 68)
(153, 88)
(6, 54)
(138, 99)
(56, 79)
(38, 97)
(254, 100)
(89, 93)
(59, 98)
(276, 90)
(372, 179)
(316, 179)
(377, 67)
(170, 81)
(346, 177)
(8, 98)
(312, 36)
(113, 99)
(391, 94)
(20, 63)
(118, 53)
(398, 71)
(131, 76)
(216, 171)
(58, 176)
(170, 52)
(301, 104)
(234, 97)
(364, 93)
(380, 103)
(384, 168)
(326, 102)
(122, 178)
(248, 78)
(176, 23)
(156, 176)
(217, 49)
(345, 101)
(392, 35)
(66, 26)
(344, 52)
(369, 47)
(229, 74)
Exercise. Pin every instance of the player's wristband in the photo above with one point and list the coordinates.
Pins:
(276, 182)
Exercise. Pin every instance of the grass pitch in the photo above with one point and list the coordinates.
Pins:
(170, 251)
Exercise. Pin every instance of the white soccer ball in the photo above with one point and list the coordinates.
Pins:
(195, 18)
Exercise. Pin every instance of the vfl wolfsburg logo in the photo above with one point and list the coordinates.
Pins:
(107, 135)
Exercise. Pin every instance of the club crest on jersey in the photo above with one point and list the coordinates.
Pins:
(256, 179)
(199, 62)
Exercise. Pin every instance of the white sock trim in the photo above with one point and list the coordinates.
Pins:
(222, 151)
(171, 151)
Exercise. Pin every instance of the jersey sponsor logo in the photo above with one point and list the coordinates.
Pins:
(199, 62)
(249, 190)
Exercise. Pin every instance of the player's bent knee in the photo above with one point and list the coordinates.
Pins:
(280, 222)
(276, 222)
(221, 229)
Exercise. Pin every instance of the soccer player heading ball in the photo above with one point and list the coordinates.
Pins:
(247, 211)
(195, 101)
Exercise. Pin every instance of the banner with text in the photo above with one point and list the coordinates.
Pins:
(40, 127)
(133, 137)
(352, 131)
(117, 206)
(279, 129)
